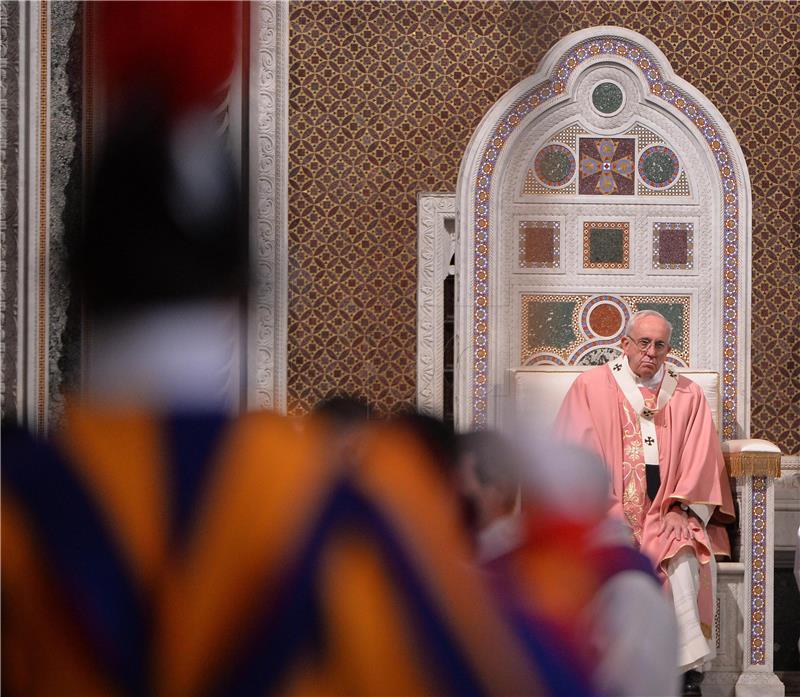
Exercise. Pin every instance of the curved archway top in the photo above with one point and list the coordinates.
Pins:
(570, 56)
(478, 194)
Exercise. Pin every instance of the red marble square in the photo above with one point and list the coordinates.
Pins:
(537, 246)
(673, 246)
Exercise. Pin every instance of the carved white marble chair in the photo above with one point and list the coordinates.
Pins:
(744, 619)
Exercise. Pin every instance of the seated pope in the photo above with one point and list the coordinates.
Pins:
(653, 428)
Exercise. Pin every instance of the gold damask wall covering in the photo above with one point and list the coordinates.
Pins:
(384, 97)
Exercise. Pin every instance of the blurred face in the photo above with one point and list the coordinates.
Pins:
(485, 500)
(647, 346)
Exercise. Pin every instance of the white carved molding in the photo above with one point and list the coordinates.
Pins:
(65, 153)
(268, 194)
(790, 466)
(787, 505)
(47, 153)
(9, 194)
(31, 304)
(759, 685)
(435, 248)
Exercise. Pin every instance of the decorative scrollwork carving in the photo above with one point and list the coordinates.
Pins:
(431, 250)
(268, 97)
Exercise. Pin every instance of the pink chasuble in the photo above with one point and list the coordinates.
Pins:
(596, 415)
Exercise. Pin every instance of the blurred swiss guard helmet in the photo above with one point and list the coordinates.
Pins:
(163, 220)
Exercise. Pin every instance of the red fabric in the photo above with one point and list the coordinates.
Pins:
(184, 50)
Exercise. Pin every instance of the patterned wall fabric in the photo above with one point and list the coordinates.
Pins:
(384, 97)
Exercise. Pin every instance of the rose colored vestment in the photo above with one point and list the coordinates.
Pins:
(690, 460)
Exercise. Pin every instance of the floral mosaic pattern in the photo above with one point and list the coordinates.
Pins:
(606, 166)
(758, 571)
(566, 329)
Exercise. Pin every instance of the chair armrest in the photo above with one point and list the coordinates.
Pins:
(752, 456)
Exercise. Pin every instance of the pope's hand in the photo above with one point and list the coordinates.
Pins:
(677, 524)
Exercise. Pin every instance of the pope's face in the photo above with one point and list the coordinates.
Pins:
(647, 347)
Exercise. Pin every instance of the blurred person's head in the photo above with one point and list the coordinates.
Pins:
(438, 438)
(342, 410)
(344, 417)
(441, 442)
(563, 480)
(489, 475)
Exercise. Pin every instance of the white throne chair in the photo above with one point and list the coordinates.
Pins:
(602, 185)
(745, 584)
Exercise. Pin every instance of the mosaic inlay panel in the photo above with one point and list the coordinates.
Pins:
(758, 571)
(608, 98)
(554, 165)
(550, 322)
(606, 245)
(606, 166)
(679, 188)
(645, 138)
(658, 166)
(539, 244)
(383, 99)
(673, 246)
(533, 187)
(583, 329)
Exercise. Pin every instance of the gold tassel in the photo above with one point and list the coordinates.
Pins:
(753, 464)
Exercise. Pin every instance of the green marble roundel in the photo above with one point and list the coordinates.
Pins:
(555, 165)
(659, 167)
(607, 98)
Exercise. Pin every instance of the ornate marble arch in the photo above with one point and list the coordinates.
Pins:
(600, 185)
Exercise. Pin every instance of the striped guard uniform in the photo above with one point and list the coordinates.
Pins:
(192, 554)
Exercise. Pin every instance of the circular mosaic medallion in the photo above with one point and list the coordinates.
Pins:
(599, 355)
(554, 165)
(603, 317)
(658, 166)
(605, 320)
(607, 98)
